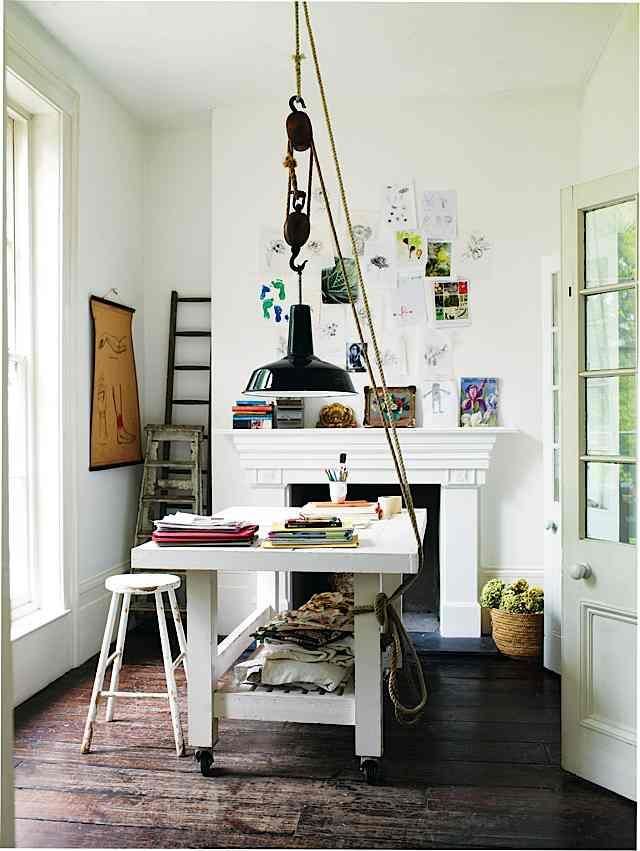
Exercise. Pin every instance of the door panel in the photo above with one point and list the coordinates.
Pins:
(598, 461)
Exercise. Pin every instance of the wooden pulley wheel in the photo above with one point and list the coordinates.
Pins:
(299, 128)
(297, 228)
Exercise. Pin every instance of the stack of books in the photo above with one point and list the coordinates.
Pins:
(181, 529)
(252, 413)
(358, 512)
(300, 533)
(289, 413)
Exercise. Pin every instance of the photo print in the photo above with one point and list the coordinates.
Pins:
(438, 260)
(451, 303)
(409, 248)
(399, 206)
(439, 215)
(478, 402)
(356, 356)
(334, 285)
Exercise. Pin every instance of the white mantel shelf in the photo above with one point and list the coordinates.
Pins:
(444, 456)
(457, 459)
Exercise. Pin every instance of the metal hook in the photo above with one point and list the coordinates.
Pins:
(296, 99)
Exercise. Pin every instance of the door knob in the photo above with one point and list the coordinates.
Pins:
(580, 571)
(551, 526)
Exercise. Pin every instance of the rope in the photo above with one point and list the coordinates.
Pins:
(386, 614)
(297, 56)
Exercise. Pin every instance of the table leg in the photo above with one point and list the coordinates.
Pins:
(202, 645)
(368, 669)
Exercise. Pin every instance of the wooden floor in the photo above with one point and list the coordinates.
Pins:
(482, 771)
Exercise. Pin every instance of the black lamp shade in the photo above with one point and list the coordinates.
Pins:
(300, 373)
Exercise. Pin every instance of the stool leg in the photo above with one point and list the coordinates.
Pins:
(117, 662)
(172, 691)
(100, 674)
(177, 620)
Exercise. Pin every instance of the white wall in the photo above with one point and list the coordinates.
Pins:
(609, 110)
(177, 249)
(109, 254)
(507, 157)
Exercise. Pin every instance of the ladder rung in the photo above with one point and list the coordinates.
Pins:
(193, 367)
(190, 402)
(195, 299)
(193, 333)
(178, 659)
(169, 500)
(182, 465)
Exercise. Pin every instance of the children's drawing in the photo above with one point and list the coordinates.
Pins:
(363, 225)
(379, 266)
(438, 260)
(438, 215)
(334, 285)
(273, 253)
(272, 300)
(439, 403)
(476, 247)
(478, 402)
(409, 247)
(451, 303)
(437, 355)
(281, 346)
(356, 356)
(399, 206)
(407, 304)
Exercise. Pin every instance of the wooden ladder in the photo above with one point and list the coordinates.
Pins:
(171, 402)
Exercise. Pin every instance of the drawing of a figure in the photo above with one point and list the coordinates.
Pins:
(437, 393)
(101, 403)
(122, 435)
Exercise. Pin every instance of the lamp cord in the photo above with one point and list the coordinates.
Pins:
(402, 649)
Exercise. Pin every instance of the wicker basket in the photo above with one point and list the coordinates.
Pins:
(518, 635)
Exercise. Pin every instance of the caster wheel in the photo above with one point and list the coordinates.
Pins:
(205, 759)
(370, 769)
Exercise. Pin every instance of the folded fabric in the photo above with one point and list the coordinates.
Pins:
(288, 664)
(322, 619)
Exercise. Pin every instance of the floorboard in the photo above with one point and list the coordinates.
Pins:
(481, 771)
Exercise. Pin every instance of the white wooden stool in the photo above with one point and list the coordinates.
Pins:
(125, 585)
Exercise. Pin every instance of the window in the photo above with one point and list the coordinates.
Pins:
(608, 372)
(24, 587)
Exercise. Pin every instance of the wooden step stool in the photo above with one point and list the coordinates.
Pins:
(125, 585)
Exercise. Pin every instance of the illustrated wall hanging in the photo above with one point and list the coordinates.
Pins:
(115, 411)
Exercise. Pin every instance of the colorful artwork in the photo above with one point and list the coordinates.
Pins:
(478, 402)
(451, 302)
(438, 215)
(438, 260)
(439, 403)
(115, 411)
(409, 247)
(399, 206)
(401, 406)
(334, 285)
(272, 299)
(356, 356)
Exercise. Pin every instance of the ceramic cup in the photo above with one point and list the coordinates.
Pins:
(338, 491)
(390, 505)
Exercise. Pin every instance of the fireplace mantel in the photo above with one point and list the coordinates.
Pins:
(457, 459)
(444, 456)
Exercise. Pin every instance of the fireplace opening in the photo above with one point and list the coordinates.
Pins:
(421, 604)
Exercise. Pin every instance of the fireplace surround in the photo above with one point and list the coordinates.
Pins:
(457, 459)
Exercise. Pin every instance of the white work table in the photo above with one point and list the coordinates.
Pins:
(387, 550)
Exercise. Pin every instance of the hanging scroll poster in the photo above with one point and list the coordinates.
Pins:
(115, 412)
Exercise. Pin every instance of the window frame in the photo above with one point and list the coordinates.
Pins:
(23, 283)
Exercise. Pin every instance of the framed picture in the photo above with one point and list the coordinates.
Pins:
(115, 439)
(402, 404)
(478, 402)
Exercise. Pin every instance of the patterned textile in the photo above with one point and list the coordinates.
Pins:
(322, 619)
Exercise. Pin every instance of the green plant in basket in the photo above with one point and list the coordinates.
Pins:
(516, 622)
(516, 597)
(492, 594)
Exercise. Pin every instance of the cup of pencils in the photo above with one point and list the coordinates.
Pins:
(338, 481)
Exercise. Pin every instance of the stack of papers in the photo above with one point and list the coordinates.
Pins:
(359, 512)
(181, 529)
(311, 536)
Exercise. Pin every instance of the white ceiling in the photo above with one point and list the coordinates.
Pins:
(166, 59)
